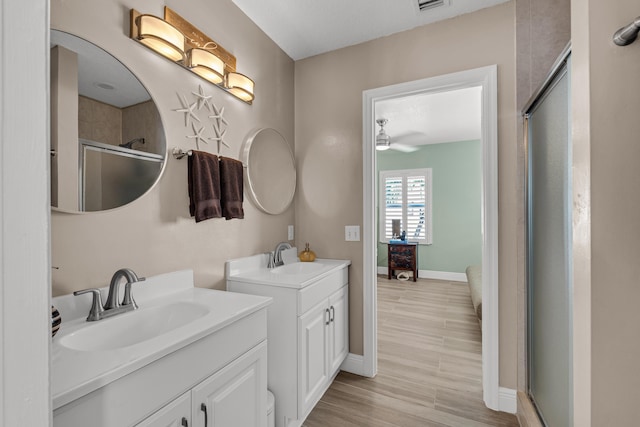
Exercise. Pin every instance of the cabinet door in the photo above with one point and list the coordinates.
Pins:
(175, 414)
(234, 396)
(338, 328)
(312, 354)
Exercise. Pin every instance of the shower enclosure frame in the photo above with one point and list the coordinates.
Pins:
(560, 67)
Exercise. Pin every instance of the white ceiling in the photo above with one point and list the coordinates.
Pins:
(432, 118)
(101, 76)
(304, 28)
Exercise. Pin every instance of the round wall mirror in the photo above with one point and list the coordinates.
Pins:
(270, 170)
(107, 140)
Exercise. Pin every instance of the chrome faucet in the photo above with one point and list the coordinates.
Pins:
(277, 253)
(113, 306)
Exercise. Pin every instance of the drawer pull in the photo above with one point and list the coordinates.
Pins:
(333, 314)
(328, 316)
(203, 408)
(185, 423)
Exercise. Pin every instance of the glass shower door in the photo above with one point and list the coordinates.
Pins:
(549, 252)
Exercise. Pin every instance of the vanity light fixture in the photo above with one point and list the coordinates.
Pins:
(178, 40)
(206, 65)
(240, 86)
(160, 36)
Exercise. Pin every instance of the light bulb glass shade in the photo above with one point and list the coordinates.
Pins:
(206, 65)
(240, 86)
(160, 36)
(383, 142)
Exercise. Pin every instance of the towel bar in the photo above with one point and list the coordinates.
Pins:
(179, 153)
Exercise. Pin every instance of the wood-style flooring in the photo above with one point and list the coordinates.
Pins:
(429, 364)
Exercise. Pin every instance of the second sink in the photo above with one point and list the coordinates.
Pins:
(299, 268)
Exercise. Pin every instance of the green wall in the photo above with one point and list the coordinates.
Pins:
(457, 181)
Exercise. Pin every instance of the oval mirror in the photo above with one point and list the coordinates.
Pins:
(270, 170)
(107, 140)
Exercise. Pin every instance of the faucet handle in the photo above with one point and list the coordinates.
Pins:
(271, 263)
(96, 311)
(128, 296)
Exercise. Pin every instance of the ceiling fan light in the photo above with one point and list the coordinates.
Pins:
(383, 142)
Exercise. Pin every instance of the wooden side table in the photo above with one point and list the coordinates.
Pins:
(403, 256)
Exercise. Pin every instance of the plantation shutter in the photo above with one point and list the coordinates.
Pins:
(405, 195)
(416, 203)
(394, 202)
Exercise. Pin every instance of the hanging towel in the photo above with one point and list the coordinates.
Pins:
(204, 186)
(231, 188)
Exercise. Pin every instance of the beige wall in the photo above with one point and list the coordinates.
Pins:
(606, 104)
(543, 29)
(143, 121)
(328, 125)
(64, 128)
(155, 234)
(99, 122)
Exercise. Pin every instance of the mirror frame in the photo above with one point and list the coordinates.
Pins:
(164, 133)
(255, 198)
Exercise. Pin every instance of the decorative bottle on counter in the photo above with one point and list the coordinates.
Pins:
(307, 255)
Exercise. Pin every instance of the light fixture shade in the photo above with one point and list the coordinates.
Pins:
(206, 65)
(240, 86)
(160, 36)
(383, 142)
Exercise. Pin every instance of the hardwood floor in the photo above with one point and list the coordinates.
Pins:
(429, 364)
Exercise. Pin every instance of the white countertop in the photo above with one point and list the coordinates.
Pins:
(253, 270)
(76, 373)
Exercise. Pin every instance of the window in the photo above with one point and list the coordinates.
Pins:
(405, 195)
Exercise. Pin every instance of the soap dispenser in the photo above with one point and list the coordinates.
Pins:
(307, 255)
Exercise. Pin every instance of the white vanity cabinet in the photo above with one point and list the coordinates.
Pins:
(322, 346)
(204, 356)
(175, 414)
(231, 397)
(308, 335)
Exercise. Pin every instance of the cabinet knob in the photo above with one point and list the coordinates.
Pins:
(185, 423)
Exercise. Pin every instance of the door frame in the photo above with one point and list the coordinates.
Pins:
(25, 281)
(486, 78)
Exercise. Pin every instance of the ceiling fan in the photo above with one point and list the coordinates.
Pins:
(383, 141)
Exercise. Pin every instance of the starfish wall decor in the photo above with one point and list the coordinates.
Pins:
(218, 123)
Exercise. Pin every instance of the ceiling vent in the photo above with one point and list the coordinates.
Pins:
(430, 4)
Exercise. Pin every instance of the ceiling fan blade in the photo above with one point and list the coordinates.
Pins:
(404, 148)
(411, 138)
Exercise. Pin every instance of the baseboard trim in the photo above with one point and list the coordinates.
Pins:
(508, 400)
(432, 274)
(354, 363)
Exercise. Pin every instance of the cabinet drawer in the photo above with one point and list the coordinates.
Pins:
(313, 294)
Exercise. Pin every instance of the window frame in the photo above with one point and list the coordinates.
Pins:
(428, 215)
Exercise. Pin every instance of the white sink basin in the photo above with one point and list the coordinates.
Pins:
(293, 274)
(134, 327)
(299, 268)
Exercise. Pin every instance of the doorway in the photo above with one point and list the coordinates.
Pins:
(486, 79)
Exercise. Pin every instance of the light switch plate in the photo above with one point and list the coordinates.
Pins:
(290, 232)
(352, 233)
